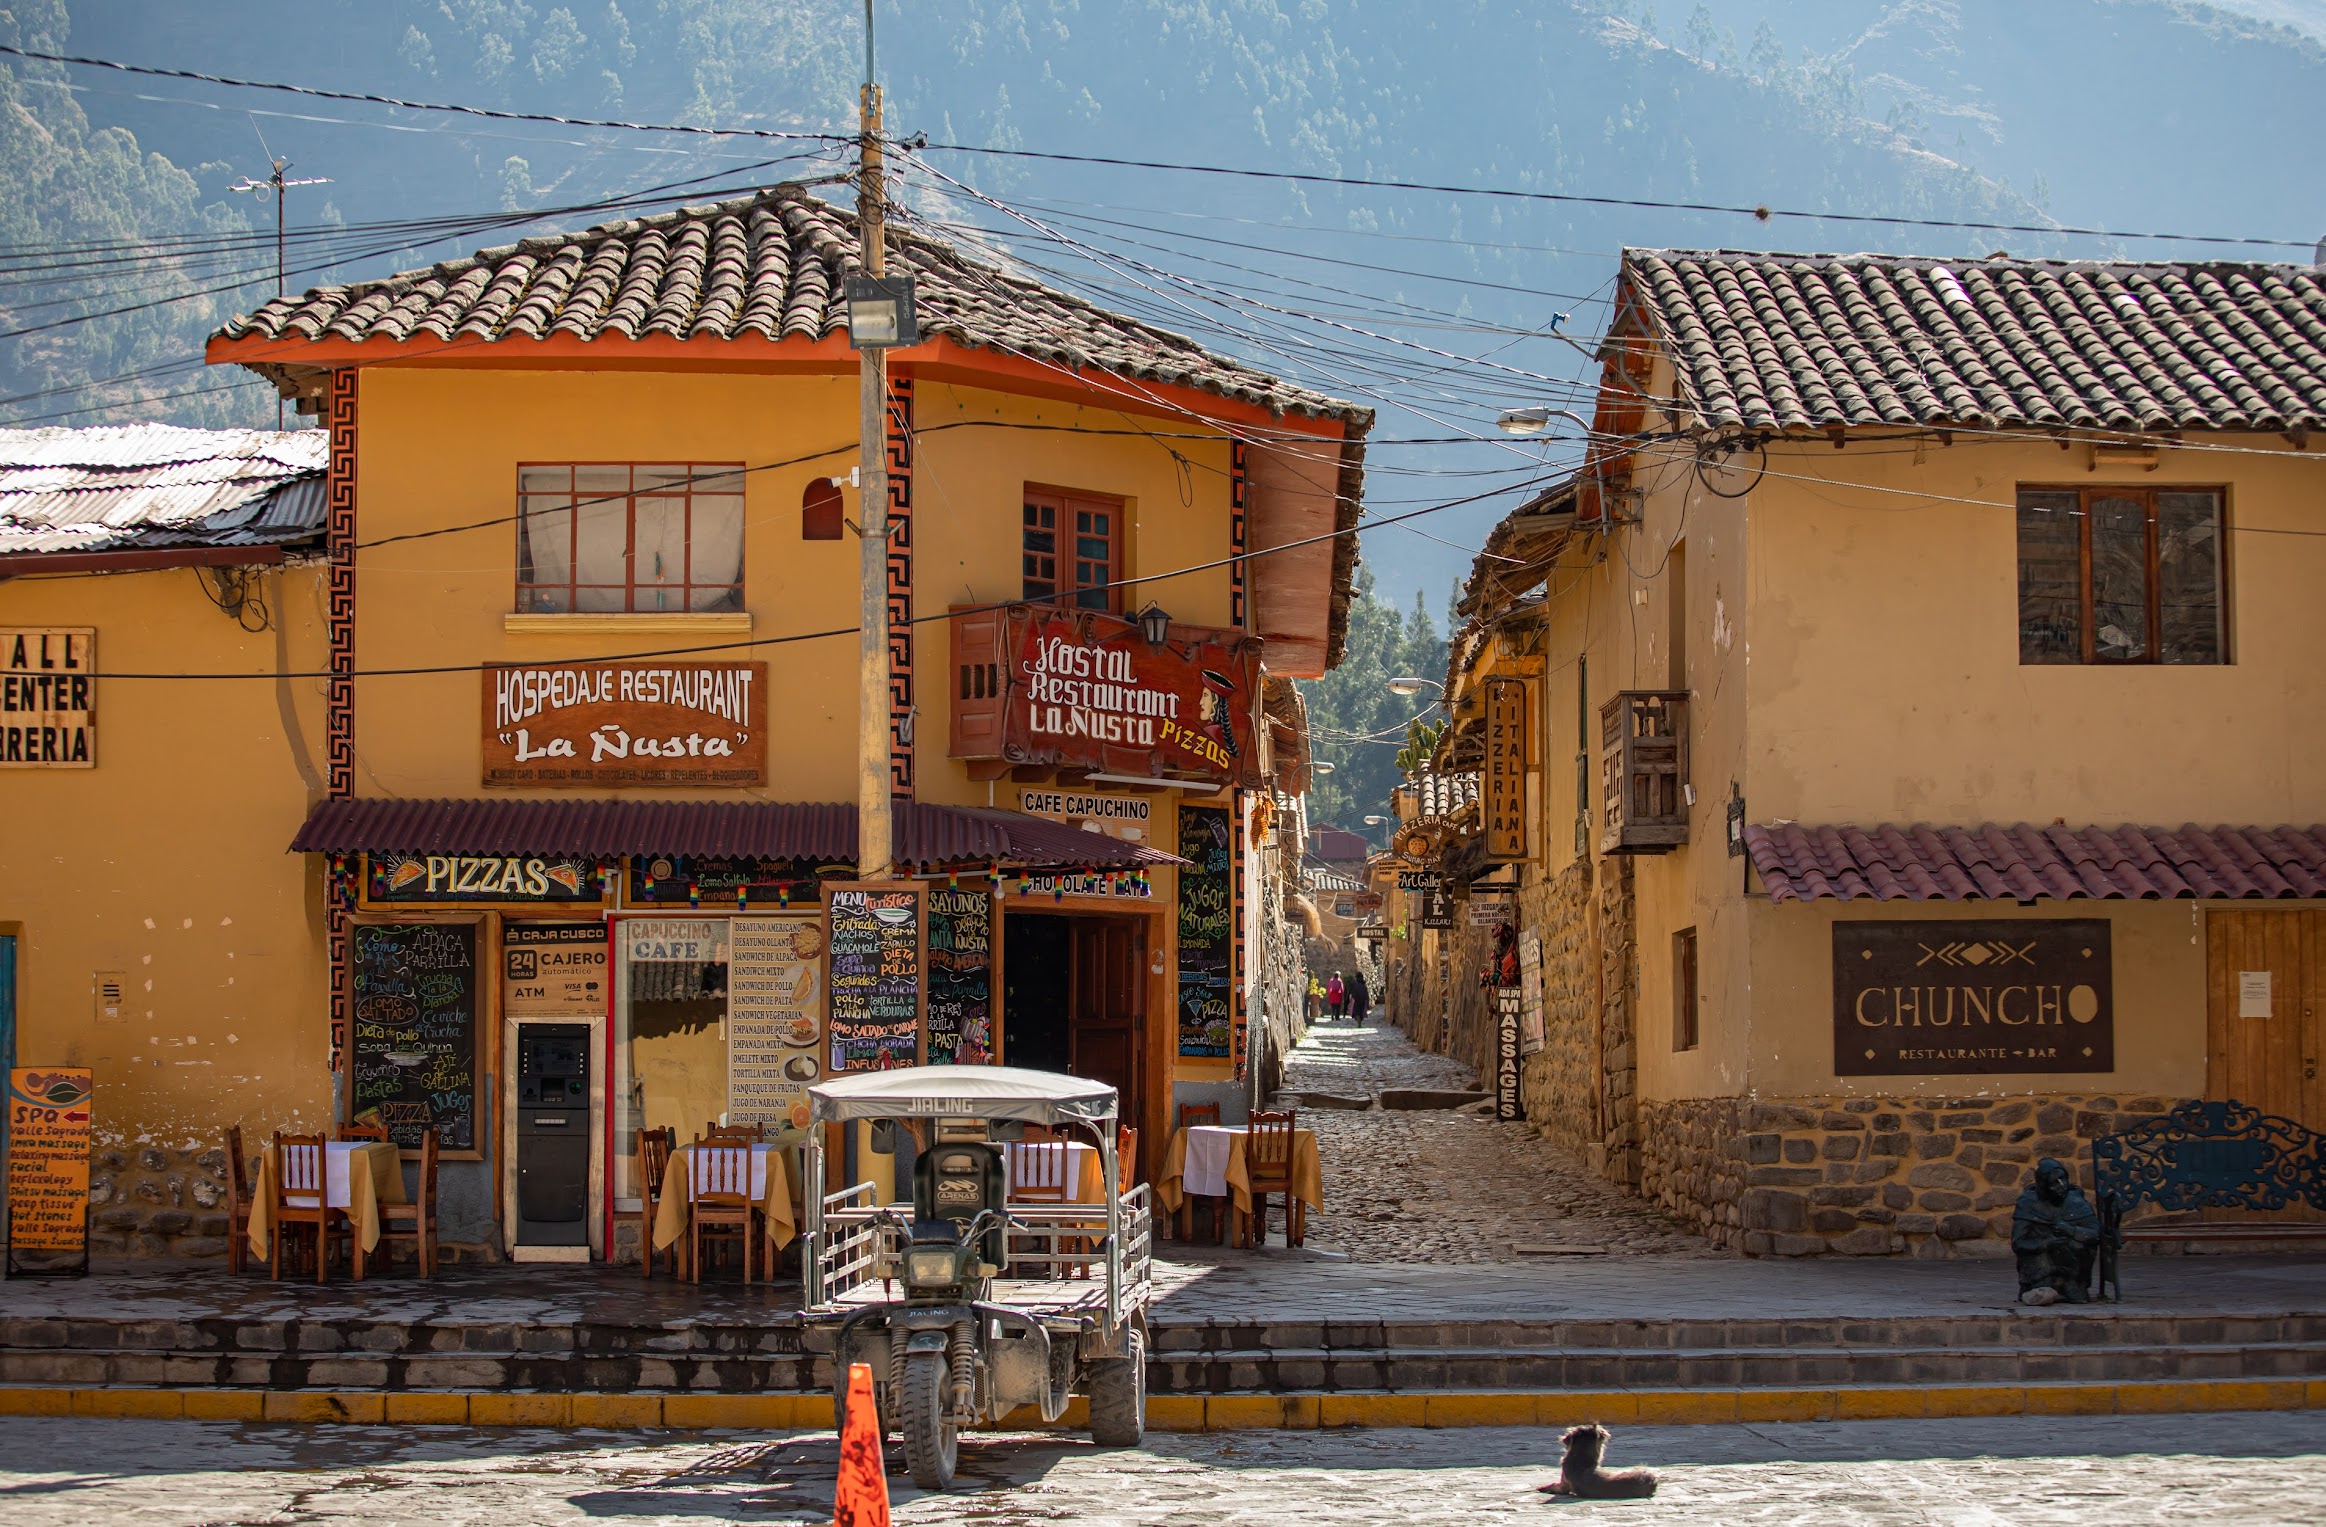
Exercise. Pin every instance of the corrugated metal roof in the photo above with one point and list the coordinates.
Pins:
(813, 831)
(1918, 862)
(146, 486)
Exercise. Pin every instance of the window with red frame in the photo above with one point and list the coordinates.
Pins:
(1072, 545)
(629, 537)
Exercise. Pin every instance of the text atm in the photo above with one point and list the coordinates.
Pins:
(553, 1134)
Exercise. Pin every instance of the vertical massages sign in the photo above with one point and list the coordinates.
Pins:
(1206, 933)
(874, 956)
(48, 1169)
(615, 724)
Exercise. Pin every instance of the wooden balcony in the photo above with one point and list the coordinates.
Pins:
(1643, 766)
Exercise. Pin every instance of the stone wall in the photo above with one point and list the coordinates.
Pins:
(147, 1201)
(1560, 1082)
(1925, 1177)
(1619, 989)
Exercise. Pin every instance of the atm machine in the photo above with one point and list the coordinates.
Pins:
(553, 1134)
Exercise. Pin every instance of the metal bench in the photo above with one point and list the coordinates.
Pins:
(2223, 1155)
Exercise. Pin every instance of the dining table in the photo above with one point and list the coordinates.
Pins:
(1209, 1161)
(358, 1177)
(1085, 1168)
(772, 1176)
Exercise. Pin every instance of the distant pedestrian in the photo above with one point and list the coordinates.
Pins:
(1360, 997)
(1336, 995)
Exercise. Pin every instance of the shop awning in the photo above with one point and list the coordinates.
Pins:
(814, 832)
(1916, 861)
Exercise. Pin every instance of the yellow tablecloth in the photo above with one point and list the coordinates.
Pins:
(671, 1216)
(1308, 1178)
(366, 1191)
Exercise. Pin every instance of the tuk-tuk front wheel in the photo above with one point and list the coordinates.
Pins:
(1118, 1396)
(932, 1444)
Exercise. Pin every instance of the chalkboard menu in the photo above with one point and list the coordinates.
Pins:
(960, 978)
(1206, 932)
(874, 957)
(412, 1054)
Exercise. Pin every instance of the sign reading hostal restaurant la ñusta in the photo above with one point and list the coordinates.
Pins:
(615, 724)
(1049, 685)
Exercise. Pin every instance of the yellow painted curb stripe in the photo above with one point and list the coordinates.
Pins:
(1189, 1413)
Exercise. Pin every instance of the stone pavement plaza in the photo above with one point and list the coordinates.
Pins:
(2020, 1472)
(1438, 1186)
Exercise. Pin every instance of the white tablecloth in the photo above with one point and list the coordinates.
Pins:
(1205, 1171)
(338, 1192)
(759, 1155)
(1081, 1164)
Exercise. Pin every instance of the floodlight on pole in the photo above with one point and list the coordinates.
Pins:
(278, 185)
(1411, 684)
(1535, 418)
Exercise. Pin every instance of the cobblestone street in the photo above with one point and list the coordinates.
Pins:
(1444, 1186)
(2059, 1472)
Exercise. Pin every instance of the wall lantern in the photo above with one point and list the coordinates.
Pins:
(1154, 624)
(880, 312)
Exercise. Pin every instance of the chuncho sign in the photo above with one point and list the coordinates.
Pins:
(625, 724)
(1083, 689)
(1972, 998)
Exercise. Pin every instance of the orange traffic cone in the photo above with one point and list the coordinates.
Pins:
(862, 1497)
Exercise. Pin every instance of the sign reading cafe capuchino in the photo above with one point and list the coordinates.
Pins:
(1972, 998)
(614, 724)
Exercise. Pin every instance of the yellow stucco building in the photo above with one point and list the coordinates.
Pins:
(1919, 684)
(569, 672)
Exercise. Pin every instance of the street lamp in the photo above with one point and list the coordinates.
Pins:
(1410, 684)
(1375, 820)
(1535, 418)
(1320, 768)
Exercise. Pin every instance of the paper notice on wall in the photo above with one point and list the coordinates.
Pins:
(1530, 994)
(2253, 994)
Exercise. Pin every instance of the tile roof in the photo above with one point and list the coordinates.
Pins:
(768, 265)
(925, 834)
(147, 486)
(1919, 862)
(1813, 342)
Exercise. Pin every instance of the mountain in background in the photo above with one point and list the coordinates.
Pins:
(1437, 308)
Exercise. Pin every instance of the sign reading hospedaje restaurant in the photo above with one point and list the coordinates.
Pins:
(1972, 998)
(616, 724)
(1050, 685)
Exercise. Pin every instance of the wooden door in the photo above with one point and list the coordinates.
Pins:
(1107, 1018)
(2271, 1061)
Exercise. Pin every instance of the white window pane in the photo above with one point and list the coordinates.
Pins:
(601, 599)
(596, 482)
(659, 475)
(718, 552)
(658, 556)
(604, 539)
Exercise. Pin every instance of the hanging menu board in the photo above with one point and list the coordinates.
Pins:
(960, 978)
(774, 1030)
(872, 975)
(412, 1045)
(1206, 932)
(48, 1169)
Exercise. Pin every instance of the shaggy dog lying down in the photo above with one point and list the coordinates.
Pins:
(1581, 1476)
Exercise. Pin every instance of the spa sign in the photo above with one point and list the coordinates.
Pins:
(617, 724)
(1045, 686)
(1972, 998)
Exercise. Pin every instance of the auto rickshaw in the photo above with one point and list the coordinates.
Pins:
(971, 1301)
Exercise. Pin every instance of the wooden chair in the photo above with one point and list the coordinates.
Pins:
(238, 1201)
(718, 1189)
(1191, 1115)
(655, 1147)
(748, 1134)
(1268, 1167)
(295, 1197)
(419, 1215)
(1041, 1172)
(374, 1130)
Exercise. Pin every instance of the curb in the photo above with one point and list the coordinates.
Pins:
(1186, 1413)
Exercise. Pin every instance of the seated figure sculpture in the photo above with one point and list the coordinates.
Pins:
(2056, 1234)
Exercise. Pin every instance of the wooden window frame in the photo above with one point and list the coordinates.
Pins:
(2085, 494)
(1687, 991)
(1066, 585)
(692, 475)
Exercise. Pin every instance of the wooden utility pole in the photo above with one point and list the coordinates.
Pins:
(873, 850)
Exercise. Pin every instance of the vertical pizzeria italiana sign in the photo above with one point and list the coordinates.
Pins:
(1503, 787)
(48, 697)
(616, 724)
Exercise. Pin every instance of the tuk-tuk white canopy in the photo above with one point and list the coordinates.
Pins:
(963, 1092)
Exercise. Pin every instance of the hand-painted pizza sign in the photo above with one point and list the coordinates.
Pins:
(620, 724)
